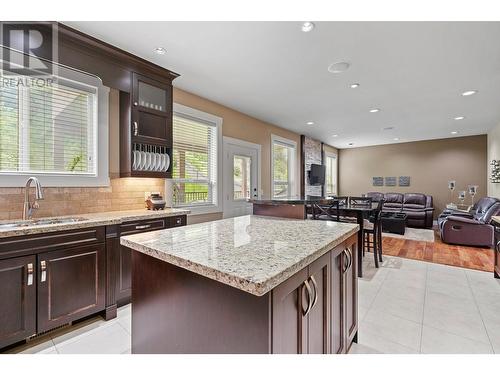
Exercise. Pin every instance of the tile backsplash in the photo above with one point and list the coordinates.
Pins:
(122, 194)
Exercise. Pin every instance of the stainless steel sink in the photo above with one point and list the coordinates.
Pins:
(48, 221)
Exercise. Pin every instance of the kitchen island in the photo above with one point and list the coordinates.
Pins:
(250, 284)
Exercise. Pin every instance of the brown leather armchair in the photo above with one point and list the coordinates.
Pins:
(473, 228)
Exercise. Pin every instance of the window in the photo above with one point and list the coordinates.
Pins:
(47, 129)
(196, 143)
(283, 171)
(331, 174)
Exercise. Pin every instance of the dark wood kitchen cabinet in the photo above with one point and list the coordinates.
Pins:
(18, 299)
(71, 285)
(146, 127)
(344, 302)
(50, 279)
(301, 311)
(124, 255)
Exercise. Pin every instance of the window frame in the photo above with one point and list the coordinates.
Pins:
(217, 121)
(100, 177)
(292, 164)
(335, 156)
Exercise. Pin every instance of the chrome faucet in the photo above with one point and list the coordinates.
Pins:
(28, 206)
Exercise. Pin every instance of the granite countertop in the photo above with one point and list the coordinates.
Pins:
(87, 220)
(251, 253)
(308, 199)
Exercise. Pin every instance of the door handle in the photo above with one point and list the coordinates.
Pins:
(346, 266)
(315, 287)
(136, 128)
(43, 268)
(29, 269)
(309, 304)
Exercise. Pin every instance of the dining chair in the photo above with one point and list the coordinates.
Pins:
(372, 234)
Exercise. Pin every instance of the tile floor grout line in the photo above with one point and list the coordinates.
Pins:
(479, 310)
(423, 309)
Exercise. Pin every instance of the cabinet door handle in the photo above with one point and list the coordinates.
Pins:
(315, 287)
(346, 265)
(136, 128)
(146, 226)
(309, 297)
(29, 269)
(43, 268)
(350, 258)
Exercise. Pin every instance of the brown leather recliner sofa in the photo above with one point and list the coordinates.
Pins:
(418, 207)
(471, 228)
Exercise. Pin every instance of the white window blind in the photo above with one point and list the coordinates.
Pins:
(194, 173)
(283, 168)
(48, 129)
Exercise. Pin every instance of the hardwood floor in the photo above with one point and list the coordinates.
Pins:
(477, 258)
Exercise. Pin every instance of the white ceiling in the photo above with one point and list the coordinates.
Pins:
(413, 71)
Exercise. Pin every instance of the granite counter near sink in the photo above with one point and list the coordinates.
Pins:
(90, 220)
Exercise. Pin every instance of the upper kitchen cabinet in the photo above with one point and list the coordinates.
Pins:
(146, 128)
(151, 110)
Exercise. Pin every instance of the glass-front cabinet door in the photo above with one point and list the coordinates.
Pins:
(151, 109)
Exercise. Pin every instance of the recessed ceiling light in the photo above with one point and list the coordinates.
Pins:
(469, 92)
(388, 128)
(454, 132)
(160, 50)
(350, 144)
(310, 122)
(396, 139)
(459, 118)
(335, 135)
(354, 85)
(374, 110)
(307, 26)
(338, 67)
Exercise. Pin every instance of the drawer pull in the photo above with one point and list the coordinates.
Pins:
(136, 129)
(43, 268)
(145, 226)
(315, 286)
(30, 273)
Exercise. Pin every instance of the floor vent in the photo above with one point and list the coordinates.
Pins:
(49, 331)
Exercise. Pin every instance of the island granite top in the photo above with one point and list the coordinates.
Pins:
(251, 253)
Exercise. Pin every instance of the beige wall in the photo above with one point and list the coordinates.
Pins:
(238, 125)
(430, 164)
(493, 154)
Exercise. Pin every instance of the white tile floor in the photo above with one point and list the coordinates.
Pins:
(409, 306)
(93, 336)
(405, 306)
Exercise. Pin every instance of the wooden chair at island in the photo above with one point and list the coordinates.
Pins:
(372, 234)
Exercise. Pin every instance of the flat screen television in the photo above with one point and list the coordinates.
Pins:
(317, 175)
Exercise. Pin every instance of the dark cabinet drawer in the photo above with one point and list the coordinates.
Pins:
(25, 245)
(142, 226)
